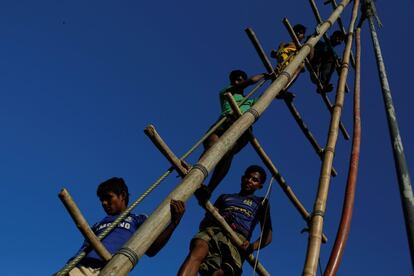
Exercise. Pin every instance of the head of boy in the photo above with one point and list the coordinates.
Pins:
(252, 180)
(300, 31)
(237, 76)
(114, 196)
(337, 38)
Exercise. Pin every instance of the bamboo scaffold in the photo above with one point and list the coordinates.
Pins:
(134, 249)
(346, 217)
(288, 100)
(403, 176)
(316, 225)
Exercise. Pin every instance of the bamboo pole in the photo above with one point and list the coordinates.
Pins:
(272, 168)
(403, 175)
(341, 27)
(346, 217)
(325, 36)
(83, 225)
(325, 97)
(153, 226)
(165, 150)
(176, 163)
(314, 242)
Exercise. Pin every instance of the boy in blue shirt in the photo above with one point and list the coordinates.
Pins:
(114, 197)
(211, 251)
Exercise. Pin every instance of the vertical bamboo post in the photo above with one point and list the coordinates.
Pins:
(316, 225)
(403, 175)
(153, 226)
(83, 225)
(346, 217)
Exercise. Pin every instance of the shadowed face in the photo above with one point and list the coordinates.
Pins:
(251, 182)
(112, 203)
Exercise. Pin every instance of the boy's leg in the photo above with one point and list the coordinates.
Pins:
(221, 170)
(198, 252)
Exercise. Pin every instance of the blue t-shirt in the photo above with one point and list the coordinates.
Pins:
(118, 236)
(243, 213)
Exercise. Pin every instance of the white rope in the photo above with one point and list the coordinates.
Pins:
(269, 189)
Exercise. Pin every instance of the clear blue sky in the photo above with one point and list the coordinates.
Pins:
(81, 79)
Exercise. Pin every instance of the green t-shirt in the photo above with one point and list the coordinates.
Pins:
(226, 107)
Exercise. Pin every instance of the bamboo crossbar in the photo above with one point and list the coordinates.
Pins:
(308, 65)
(325, 36)
(83, 227)
(272, 168)
(176, 163)
(154, 225)
(348, 205)
(316, 225)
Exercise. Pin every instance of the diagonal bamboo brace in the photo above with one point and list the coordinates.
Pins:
(83, 225)
(325, 97)
(165, 150)
(176, 163)
(272, 168)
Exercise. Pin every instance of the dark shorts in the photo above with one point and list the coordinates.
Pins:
(219, 131)
(222, 253)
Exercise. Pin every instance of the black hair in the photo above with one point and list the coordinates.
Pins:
(256, 168)
(237, 73)
(299, 28)
(339, 34)
(116, 185)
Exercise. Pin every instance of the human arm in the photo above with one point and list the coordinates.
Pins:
(177, 209)
(240, 86)
(266, 229)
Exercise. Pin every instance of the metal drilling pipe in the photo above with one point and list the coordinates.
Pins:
(346, 217)
(153, 226)
(316, 225)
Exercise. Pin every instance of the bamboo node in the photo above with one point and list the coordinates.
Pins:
(132, 256)
(308, 44)
(201, 168)
(329, 149)
(255, 113)
(318, 213)
(284, 73)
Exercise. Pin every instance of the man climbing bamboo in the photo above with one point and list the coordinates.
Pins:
(238, 82)
(323, 61)
(211, 251)
(285, 54)
(114, 197)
